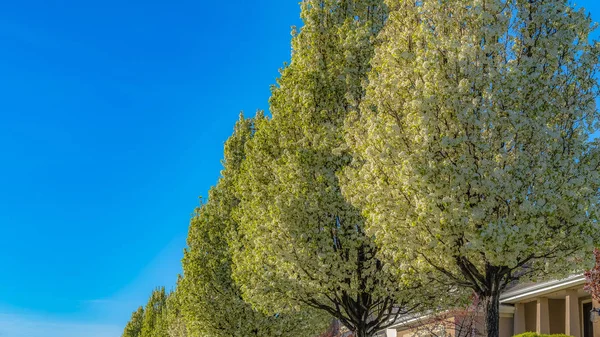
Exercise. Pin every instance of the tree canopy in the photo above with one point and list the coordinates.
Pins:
(154, 323)
(175, 321)
(472, 146)
(134, 326)
(213, 303)
(300, 241)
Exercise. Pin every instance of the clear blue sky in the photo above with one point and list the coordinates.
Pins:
(114, 115)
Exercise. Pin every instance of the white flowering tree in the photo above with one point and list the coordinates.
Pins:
(154, 323)
(300, 241)
(473, 155)
(173, 316)
(210, 301)
(134, 326)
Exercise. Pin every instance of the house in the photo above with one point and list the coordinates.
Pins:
(558, 306)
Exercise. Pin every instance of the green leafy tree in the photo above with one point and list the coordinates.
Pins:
(134, 326)
(300, 241)
(473, 147)
(212, 303)
(154, 323)
(176, 326)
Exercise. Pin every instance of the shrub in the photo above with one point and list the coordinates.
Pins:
(535, 334)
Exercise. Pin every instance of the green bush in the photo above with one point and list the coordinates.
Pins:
(535, 334)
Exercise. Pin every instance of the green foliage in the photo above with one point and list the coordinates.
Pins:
(476, 164)
(211, 301)
(154, 323)
(300, 241)
(160, 318)
(175, 321)
(134, 326)
(535, 334)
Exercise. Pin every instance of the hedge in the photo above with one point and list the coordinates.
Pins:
(535, 334)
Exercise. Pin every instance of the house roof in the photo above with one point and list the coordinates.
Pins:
(531, 289)
(517, 293)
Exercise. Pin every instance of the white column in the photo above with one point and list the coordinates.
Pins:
(391, 333)
(519, 319)
(572, 325)
(543, 316)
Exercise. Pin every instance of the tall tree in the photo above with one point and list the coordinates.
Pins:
(154, 323)
(473, 147)
(212, 302)
(134, 326)
(299, 241)
(175, 320)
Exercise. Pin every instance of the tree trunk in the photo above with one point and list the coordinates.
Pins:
(361, 333)
(491, 304)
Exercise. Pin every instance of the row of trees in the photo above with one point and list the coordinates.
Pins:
(161, 317)
(417, 154)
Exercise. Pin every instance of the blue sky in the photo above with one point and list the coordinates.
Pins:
(114, 115)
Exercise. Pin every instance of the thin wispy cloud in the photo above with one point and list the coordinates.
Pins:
(13, 325)
(101, 317)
